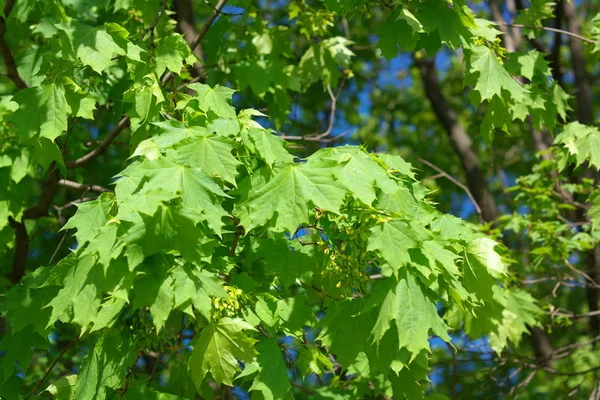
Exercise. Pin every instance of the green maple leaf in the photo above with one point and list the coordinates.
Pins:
(105, 366)
(145, 96)
(346, 330)
(196, 287)
(452, 21)
(63, 388)
(82, 104)
(582, 142)
(42, 112)
(288, 264)
(171, 53)
(224, 126)
(170, 228)
(492, 77)
(216, 99)
(272, 379)
(595, 32)
(90, 217)
(289, 197)
(321, 61)
(172, 132)
(210, 153)
(313, 361)
(96, 46)
(438, 255)
(169, 133)
(594, 211)
(111, 308)
(481, 250)
(497, 115)
(519, 310)
(536, 13)
(266, 145)
(393, 240)
(26, 307)
(400, 29)
(254, 74)
(406, 386)
(218, 350)
(74, 281)
(18, 349)
(357, 171)
(414, 314)
(477, 269)
(199, 193)
(528, 64)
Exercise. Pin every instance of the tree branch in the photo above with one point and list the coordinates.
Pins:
(9, 59)
(82, 186)
(35, 212)
(547, 28)
(155, 22)
(459, 184)
(203, 31)
(476, 180)
(459, 139)
(123, 123)
(62, 353)
(508, 39)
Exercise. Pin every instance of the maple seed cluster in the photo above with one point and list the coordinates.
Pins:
(495, 46)
(228, 306)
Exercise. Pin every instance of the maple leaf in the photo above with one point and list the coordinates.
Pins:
(215, 99)
(218, 350)
(272, 379)
(42, 112)
(492, 78)
(405, 303)
(304, 187)
(582, 142)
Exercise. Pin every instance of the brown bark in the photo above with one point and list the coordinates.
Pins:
(21, 237)
(585, 115)
(459, 139)
(510, 41)
(9, 59)
(475, 177)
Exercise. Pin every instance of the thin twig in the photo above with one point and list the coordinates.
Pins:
(453, 382)
(315, 139)
(155, 22)
(57, 248)
(62, 353)
(457, 183)
(123, 123)
(586, 276)
(140, 354)
(203, 31)
(72, 203)
(222, 12)
(547, 28)
(575, 316)
(320, 137)
(82, 186)
(236, 238)
(303, 388)
(562, 352)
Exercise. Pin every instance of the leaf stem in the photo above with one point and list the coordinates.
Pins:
(547, 28)
(62, 353)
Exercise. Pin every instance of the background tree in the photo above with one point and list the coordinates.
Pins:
(159, 242)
